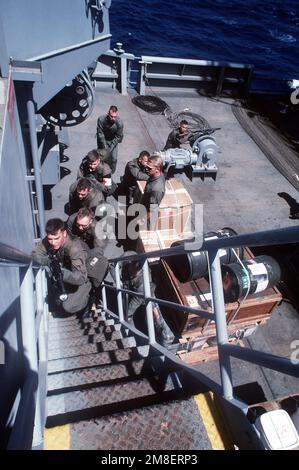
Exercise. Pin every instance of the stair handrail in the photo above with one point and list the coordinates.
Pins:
(12, 254)
(264, 238)
(165, 303)
(225, 350)
(33, 329)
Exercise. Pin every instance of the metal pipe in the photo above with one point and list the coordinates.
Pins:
(37, 167)
(104, 297)
(43, 349)
(221, 328)
(280, 364)
(10, 264)
(39, 293)
(141, 79)
(41, 304)
(28, 318)
(123, 76)
(167, 303)
(171, 60)
(149, 305)
(10, 253)
(268, 237)
(29, 341)
(119, 293)
(205, 381)
(46, 305)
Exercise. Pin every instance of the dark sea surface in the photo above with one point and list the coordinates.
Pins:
(262, 33)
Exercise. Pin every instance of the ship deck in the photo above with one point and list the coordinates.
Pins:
(243, 197)
(245, 194)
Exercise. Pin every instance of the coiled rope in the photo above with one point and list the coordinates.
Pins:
(155, 105)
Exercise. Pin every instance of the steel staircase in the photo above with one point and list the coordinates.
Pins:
(112, 386)
(97, 368)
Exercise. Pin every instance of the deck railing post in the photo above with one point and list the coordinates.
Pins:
(104, 297)
(142, 78)
(39, 292)
(42, 309)
(149, 305)
(29, 341)
(221, 328)
(37, 166)
(119, 293)
(123, 76)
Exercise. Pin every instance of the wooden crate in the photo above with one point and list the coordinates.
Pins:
(152, 240)
(175, 209)
(205, 354)
(256, 309)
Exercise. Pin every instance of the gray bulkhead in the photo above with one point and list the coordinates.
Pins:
(43, 46)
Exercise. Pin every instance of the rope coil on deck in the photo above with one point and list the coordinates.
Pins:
(155, 105)
(150, 104)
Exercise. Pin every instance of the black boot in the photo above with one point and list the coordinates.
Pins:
(84, 313)
(164, 334)
(87, 311)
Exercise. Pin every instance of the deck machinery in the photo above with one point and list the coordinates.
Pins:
(201, 157)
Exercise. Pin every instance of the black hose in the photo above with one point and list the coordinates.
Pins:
(195, 121)
(155, 105)
(150, 104)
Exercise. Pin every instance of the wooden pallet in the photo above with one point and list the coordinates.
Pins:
(205, 354)
(197, 332)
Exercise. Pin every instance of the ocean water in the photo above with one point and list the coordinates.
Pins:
(262, 33)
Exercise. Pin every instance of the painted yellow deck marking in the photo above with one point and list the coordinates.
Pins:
(212, 421)
(58, 438)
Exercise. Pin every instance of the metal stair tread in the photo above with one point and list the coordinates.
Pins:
(173, 425)
(87, 323)
(76, 318)
(102, 373)
(70, 320)
(60, 322)
(95, 398)
(95, 359)
(83, 340)
(67, 322)
(77, 332)
(80, 327)
(88, 348)
(62, 335)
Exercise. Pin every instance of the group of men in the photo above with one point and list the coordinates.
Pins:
(75, 244)
(72, 250)
(95, 175)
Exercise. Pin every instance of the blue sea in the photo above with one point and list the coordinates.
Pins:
(262, 33)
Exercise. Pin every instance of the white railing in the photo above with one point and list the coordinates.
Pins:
(27, 428)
